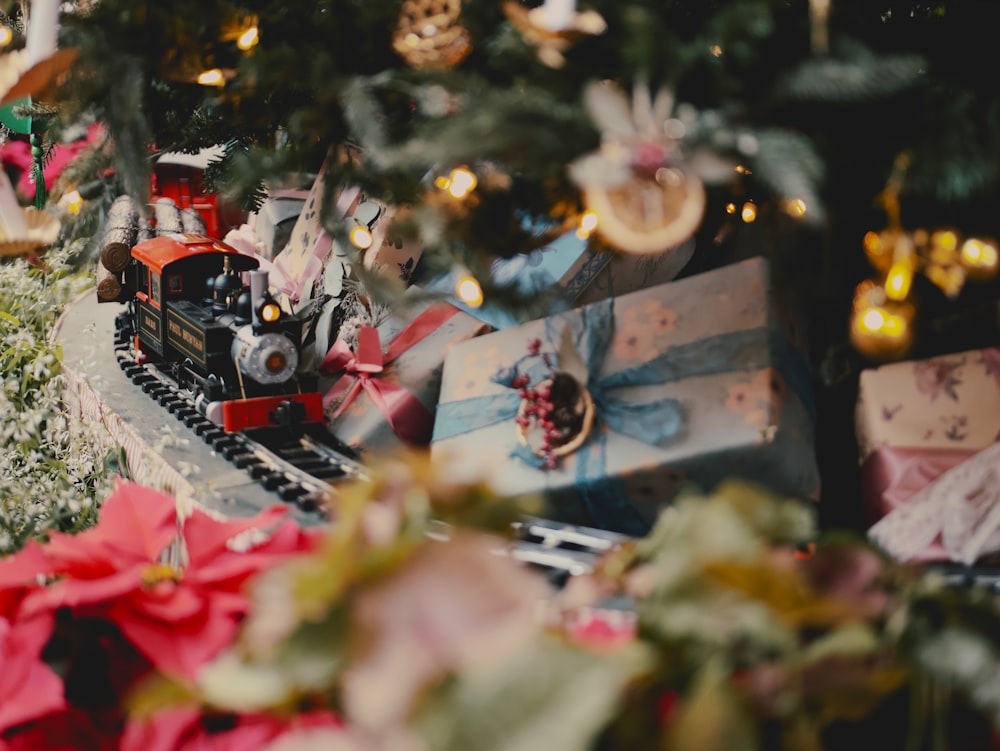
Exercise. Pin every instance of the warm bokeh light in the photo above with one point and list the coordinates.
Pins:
(945, 239)
(248, 39)
(588, 223)
(730, 208)
(795, 207)
(980, 258)
(749, 212)
(461, 182)
(469, 291)
(212, 77)
(873, 319)
(361, 238)
(899, 280)
(6, 35)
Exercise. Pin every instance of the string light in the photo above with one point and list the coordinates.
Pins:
(588, 223)
(749, 212)
(459, 183)
(898, 281)
(6, 35)
(469, 290)
(980, 259)
(795, 207)
(730, 208)
(361, 238)
(212, 77)
(249, 38)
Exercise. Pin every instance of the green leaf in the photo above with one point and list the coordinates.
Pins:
(543, 698)
(712, 718)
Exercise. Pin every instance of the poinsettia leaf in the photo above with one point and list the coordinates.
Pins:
(23, 567)
(28, 687)
(73, 592)
(137, 522)
(546, 697)
(206, 536)
(179, 649)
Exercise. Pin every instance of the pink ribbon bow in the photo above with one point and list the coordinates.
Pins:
(408, 417)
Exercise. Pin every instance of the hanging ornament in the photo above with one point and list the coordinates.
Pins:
(882, 321)
(645, 198)
(553, 27)
(23, 230)
(429, 35)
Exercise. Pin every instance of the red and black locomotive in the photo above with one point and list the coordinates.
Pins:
(202, 311)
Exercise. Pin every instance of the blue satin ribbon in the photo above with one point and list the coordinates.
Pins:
(653, 422)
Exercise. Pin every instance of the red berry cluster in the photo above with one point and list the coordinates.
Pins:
(538, 409)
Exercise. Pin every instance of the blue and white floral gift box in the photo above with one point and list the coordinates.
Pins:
(691, 382)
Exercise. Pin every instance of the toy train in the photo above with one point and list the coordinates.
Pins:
(202, 312)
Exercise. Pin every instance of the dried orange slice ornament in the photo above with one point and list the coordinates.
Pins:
(645, 199)
(648, 215)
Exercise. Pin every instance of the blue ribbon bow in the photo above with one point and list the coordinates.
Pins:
(651, 422)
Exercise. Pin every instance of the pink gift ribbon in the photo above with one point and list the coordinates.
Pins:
(946, 504)
(408, 417)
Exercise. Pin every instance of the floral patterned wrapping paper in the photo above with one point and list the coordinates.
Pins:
(683, 396)
(361, 424)
(915, 420)
(579, 273)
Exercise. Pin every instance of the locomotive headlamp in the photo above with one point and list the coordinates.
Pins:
(269, 312)
(275, 362)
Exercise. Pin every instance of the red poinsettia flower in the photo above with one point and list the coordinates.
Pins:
(72, 729)
(188, 729)
(179, 613)
(28, 687)
(18, 574)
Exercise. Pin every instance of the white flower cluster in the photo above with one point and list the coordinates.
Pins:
(52, 475)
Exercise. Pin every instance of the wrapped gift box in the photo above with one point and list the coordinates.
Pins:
(917, 424)
(692, 381)
(381, 383)
(577, 272)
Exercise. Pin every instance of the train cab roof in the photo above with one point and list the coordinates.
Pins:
(160, 252)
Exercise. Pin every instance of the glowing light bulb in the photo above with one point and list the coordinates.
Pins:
(749, 212)
(730, 208)
(898, 280)
(795, 207)
(980, 258)
(248, 39)
(212, 77)
(469, 291)
(461, 182)
(873, 319)
(945, 239)
(588, 223)
(716, 50)
(6, 35)
(361, 238)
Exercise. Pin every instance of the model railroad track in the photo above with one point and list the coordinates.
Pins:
(295, 463)
(299, 466)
